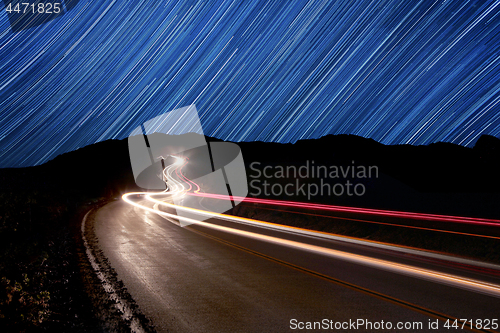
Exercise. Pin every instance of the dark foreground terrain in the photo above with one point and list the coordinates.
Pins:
(46, 281)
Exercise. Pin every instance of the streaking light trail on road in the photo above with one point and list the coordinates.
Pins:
(178, 189)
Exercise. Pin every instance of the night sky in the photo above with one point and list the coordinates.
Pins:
(399, 72)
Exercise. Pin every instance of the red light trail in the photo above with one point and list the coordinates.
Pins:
(342, 209)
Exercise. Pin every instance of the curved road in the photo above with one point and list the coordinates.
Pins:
(256, 279)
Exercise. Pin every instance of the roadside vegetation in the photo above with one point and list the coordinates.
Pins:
(41, 285)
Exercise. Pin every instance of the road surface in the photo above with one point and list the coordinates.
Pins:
(201, 279)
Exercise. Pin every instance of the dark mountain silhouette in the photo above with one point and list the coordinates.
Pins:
(438, 167)
(440, 177)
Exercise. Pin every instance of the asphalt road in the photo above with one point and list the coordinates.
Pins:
(200, 279)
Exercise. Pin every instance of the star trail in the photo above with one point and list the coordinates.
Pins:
(400, 72)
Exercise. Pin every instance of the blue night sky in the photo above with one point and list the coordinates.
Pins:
(399, 72)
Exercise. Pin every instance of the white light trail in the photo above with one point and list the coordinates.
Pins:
(178, 189)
